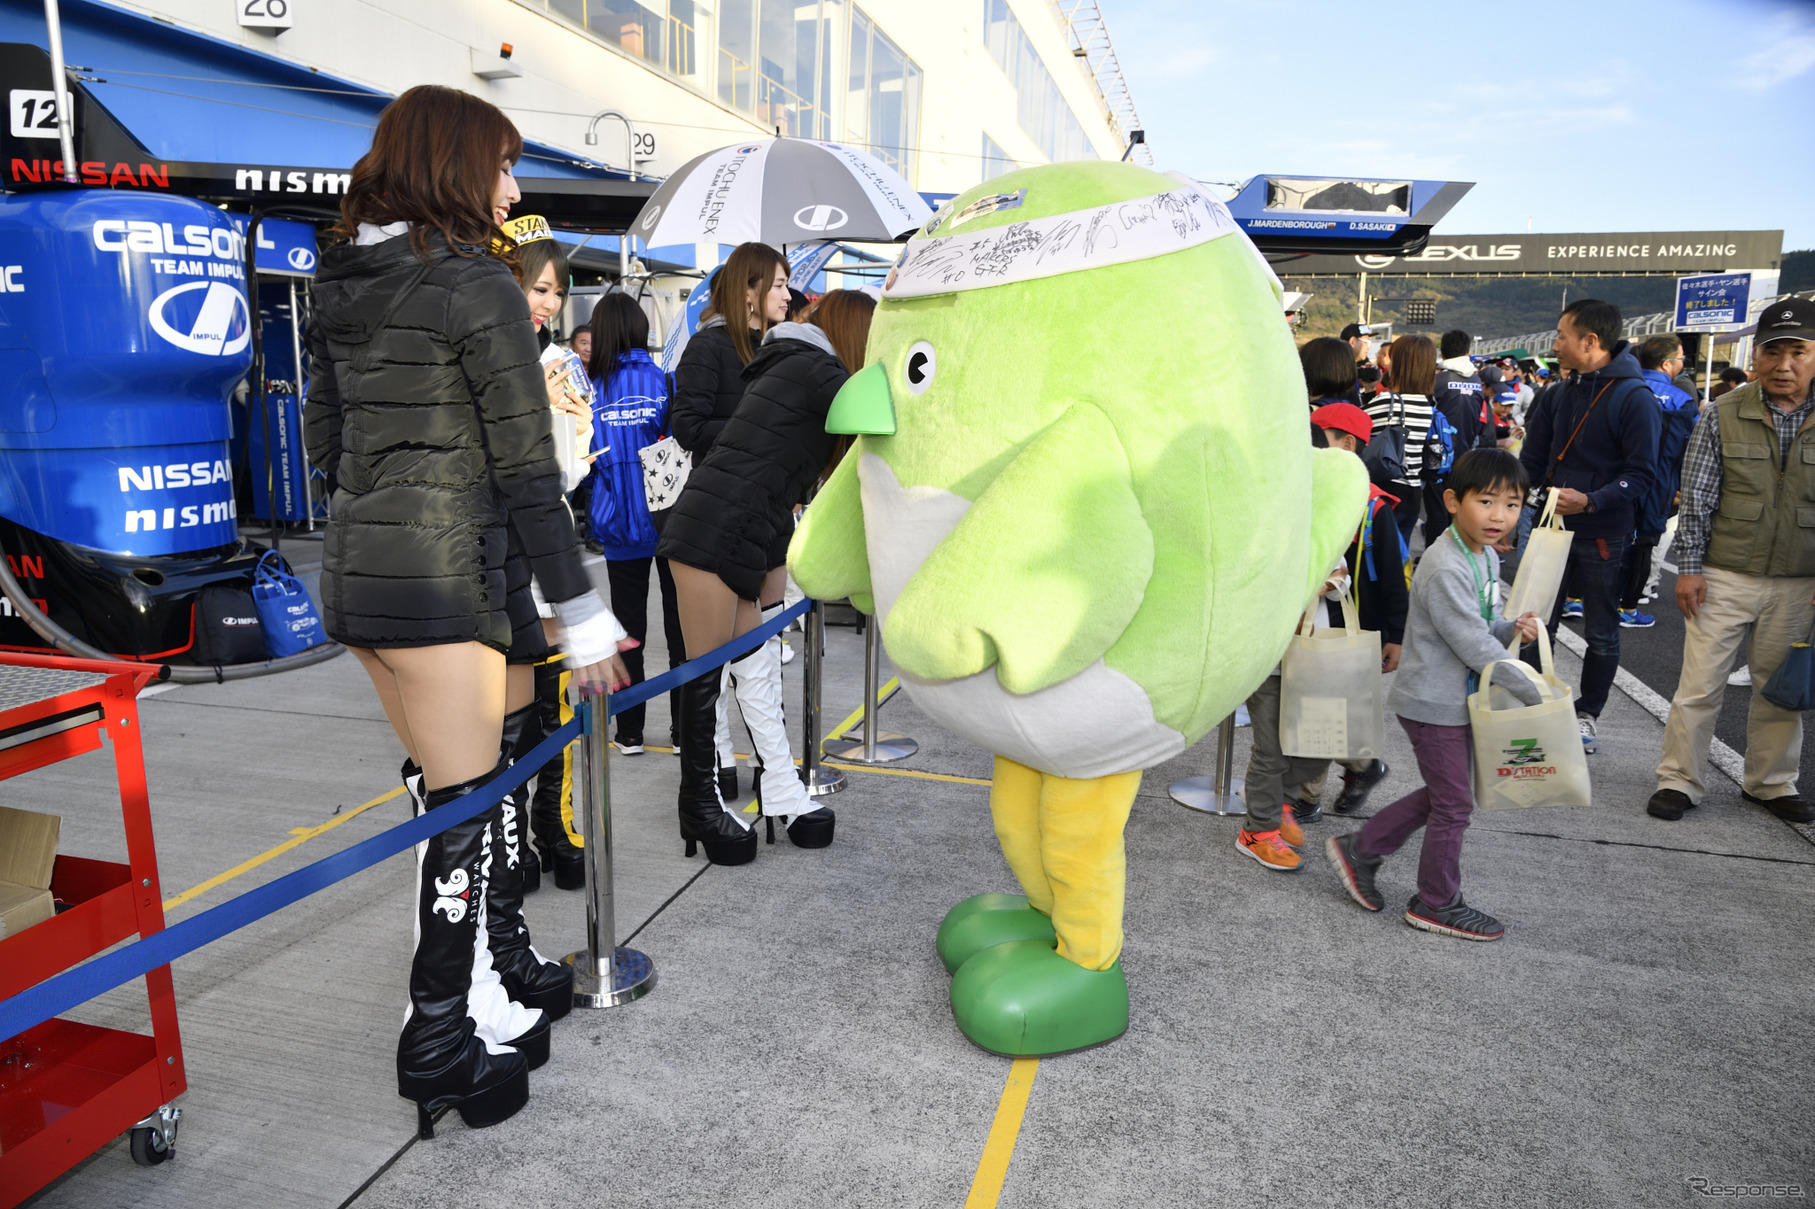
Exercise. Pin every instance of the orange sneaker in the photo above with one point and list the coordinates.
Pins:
(1267, 848)
(1289, 830)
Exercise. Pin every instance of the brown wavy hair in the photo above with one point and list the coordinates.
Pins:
(434, 163)
(844, 316)
(750, 266)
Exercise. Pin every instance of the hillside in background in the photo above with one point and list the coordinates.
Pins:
(1503, 306)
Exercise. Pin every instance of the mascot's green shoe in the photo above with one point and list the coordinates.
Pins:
(984, 921)
(1023, 1000)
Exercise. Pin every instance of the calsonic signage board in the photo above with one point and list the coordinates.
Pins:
(1577, 255)
(118, 350)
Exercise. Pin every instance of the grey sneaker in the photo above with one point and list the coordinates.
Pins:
(1356, 871)
(1585, 724)
(1458, 919)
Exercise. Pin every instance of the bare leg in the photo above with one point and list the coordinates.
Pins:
(451, 698)
(519, 686)
(775, 587)
(710, 611)
(386, 684)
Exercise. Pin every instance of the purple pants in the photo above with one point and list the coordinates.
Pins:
(1441, 807)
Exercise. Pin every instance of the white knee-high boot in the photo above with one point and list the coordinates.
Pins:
(759, 699)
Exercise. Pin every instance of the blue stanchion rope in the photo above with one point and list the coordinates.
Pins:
(54, 996)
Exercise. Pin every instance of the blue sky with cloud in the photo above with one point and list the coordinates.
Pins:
(1579, 116)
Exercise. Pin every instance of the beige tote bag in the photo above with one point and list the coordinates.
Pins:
(1541, 567)
(1527, 756)
(1329, 693)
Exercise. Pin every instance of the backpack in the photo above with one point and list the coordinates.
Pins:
(1440, 448)
(1378, 504)
(1385, 453)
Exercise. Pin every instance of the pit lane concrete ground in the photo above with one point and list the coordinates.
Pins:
(1642, 1024)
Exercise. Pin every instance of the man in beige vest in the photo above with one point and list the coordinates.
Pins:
(1745, 556)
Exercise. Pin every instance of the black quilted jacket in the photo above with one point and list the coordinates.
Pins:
(708, 384)
(427, 410)
(735, 515)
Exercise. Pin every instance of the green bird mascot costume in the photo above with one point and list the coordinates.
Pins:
(1084, 505)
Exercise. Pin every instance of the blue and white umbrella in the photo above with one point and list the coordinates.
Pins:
(781, 192)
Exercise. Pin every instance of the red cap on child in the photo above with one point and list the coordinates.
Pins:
(1345, 417)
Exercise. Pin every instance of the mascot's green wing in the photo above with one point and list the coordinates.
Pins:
(1044, 572)
(827, 555)
(1339, 498)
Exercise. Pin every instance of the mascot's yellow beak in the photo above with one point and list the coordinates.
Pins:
(864, 406)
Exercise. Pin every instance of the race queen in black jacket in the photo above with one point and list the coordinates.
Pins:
(726, 540)
(428, 408)
(748, 295)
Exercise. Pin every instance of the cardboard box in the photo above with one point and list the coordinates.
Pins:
(28, 853)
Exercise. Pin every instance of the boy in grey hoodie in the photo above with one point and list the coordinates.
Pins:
(1451, 635)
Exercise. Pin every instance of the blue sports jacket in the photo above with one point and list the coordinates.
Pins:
(1680, 412)
(632, 412)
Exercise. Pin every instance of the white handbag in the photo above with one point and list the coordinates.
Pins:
(1541, 566)
(1527, 756)
(665, 469)
(1329, 692)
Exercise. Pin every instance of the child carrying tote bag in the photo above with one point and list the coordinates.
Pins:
(1541, 567)
(1329, 692)
(1527, 756)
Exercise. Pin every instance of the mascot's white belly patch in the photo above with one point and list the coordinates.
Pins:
(1097, 723)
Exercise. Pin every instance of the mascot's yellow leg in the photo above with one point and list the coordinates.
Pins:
(1015, 801)
(984, 921)
(1036, 993)
(1081, 824)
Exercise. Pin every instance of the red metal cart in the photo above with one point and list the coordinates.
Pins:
(66, 1089)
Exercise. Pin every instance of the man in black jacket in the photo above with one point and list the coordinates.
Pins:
(1594, 438)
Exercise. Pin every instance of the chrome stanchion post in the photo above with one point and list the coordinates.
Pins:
(604, 974)
(874, 747)
(1221, 795)
(821, 781)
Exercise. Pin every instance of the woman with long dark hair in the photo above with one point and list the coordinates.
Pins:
(427, 403)
(726, 540)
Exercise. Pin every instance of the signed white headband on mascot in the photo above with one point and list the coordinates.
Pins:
(1116, 233)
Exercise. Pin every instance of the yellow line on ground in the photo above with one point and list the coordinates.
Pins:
(842, 727)
(904, 772)
(999, 1147)
(298, 837)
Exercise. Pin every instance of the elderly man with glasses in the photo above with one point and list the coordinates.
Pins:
(1745, 553)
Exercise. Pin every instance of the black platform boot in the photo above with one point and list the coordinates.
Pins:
(531, 979)
(704, 819)
(558, 854)
(442, 1060)
(499, 1016)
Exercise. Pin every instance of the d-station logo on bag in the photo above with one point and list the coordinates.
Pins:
(1523, 759)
